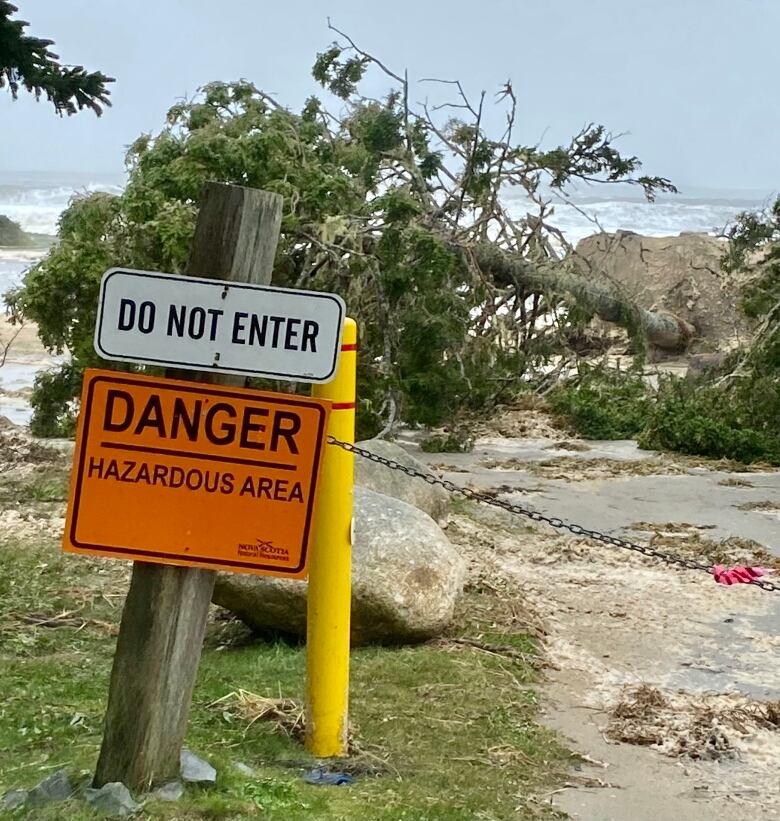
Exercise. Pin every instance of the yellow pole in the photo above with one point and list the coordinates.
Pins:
(330, 568)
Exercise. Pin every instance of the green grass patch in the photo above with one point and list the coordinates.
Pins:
(441, 731)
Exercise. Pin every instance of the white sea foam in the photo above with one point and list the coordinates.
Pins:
(36, 202)
(582, 216)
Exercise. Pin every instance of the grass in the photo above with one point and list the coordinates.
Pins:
(442, 731)
(48, 484)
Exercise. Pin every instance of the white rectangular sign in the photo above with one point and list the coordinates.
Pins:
(215, 325)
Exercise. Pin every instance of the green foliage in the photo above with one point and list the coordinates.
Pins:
(378, 207)
(736, 422)
(339, 76)
(593, 153)
(12, 235)
(52, 402)
(27, 62)
(734, 413)
(705, 420)
(601, 403)
(729, 413)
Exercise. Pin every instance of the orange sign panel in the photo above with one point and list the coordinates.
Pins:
(194, 474)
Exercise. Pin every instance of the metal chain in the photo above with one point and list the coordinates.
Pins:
(536, 516)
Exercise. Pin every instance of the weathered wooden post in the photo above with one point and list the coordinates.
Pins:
(164, 618)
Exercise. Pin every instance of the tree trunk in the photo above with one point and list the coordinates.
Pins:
(603, 297)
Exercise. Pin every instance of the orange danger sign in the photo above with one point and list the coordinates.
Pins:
(194, 474)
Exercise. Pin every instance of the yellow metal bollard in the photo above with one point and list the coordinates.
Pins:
(330, 568)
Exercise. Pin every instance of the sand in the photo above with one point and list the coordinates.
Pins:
(615, 622)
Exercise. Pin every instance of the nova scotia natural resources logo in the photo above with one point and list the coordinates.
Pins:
(262, 549)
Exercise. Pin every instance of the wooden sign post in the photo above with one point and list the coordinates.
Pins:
(164, 618)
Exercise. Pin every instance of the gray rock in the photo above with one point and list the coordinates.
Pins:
(172, 791)
(244, 769)
(406, 578)
(56, 787)
(14, 798)
(112, 799)
(431, 499)
(195, 770)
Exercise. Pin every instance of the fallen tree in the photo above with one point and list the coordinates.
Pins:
(462, 294)
(600, 295)
(728, 408)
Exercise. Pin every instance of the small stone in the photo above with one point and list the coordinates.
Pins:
(244, 769)
(56, 787)
(112, 799)
(172, 791)
(195, 770)
(14, 798)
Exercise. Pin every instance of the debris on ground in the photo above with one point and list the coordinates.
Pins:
(691, 725)
(286, 714)
(528, 418)
(687, 539)
(328, 778)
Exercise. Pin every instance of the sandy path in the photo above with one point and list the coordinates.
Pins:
(616, 621)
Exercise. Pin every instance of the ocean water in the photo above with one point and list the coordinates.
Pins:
(622, 208)
(37, 199)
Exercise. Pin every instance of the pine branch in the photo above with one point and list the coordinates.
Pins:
(28, 63)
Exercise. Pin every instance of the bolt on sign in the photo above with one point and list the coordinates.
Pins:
(187, 473)
(218, 326)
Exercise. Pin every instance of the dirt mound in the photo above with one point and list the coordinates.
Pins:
(680, 275)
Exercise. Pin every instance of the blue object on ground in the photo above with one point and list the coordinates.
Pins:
(324, 777)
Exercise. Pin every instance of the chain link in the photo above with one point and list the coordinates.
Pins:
(536, 516)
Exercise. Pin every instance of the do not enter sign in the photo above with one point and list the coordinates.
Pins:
(193, 474)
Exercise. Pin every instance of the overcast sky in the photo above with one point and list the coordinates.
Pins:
(694, 82)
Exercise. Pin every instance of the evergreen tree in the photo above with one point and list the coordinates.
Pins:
(27, 62)
(462, 298)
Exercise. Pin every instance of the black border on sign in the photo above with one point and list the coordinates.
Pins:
(210, 367)
(132, 552)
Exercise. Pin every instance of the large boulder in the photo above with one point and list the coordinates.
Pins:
(406, 578)
(432, 499)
